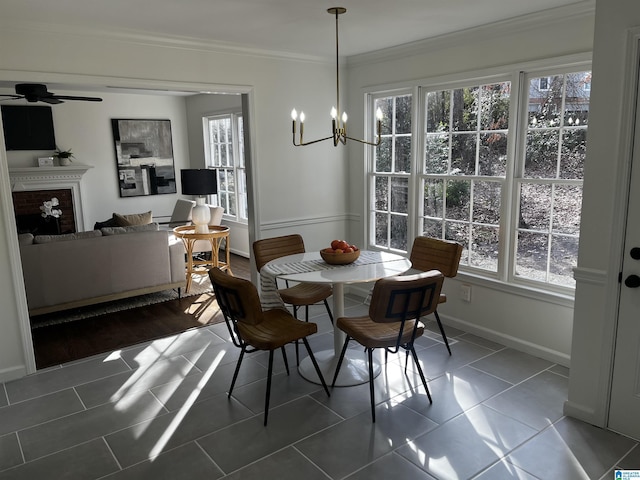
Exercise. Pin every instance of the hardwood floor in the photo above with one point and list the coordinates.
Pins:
(65, 342)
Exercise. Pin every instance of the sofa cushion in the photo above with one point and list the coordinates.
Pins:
(149, 227)
(133, 219)
(25, 239)
(66, 237)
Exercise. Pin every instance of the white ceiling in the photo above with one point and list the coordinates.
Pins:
(295, 26)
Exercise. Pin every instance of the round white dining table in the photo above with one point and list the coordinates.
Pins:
(310, 268)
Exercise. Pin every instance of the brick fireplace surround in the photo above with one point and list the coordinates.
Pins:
(32, 186)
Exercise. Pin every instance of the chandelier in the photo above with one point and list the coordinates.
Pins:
(338, 123)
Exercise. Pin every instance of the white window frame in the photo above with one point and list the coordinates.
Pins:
(510, 194)
(238, 168)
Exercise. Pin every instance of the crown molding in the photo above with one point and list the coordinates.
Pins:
(472, 35)
(155, 40)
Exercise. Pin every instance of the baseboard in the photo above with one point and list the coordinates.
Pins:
(12, 373)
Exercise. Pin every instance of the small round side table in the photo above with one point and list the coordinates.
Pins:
(216, 234)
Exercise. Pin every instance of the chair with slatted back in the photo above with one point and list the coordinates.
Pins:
(253, 329)
(434, 254)
(393, 321)
(301, 294)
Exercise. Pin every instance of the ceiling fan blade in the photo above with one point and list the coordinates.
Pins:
(11, 97)
(49, 100)
(83, 99)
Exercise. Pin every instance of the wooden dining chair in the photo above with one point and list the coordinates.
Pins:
(393, 322)
(298, 295)
(253, 329)
(434, 254)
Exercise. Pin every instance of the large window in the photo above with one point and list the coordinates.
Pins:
(502, 180)
(224, 151)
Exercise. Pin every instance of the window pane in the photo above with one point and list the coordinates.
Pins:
(432, 228)
(567, 205)
(433, 198)
(535, 202)
(438, 104)
(531, 256)
(403, 154)
(399, 232)
(545, 101)
(564, 258)
(437, 154)
(458, 199)
(541, 159)
(494, 108)
(381, 193)
(492, 159)
(463, 154)
(486, 202)
(465, 109)
(578, 90)
(383, 155)
(386, 106)
(573, 153)
(484, 248)
(382, 229)
(403, 114)
(399, 195)
(458, 232)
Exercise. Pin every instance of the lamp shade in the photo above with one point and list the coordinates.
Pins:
(199, 181)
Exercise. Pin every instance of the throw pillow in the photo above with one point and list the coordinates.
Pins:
(66, 237)
(149, 227)
(25, 239)
(107, 223)
(133, 219)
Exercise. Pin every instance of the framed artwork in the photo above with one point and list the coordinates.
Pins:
(144, 157)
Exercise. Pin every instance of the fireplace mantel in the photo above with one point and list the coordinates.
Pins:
(51, 178)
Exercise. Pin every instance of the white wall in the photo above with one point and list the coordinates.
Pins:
(538, 325)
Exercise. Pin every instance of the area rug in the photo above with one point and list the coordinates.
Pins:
(199, 286)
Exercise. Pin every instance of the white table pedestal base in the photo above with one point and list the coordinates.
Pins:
(354, 369)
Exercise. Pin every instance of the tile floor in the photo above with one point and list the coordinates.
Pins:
(160, 411)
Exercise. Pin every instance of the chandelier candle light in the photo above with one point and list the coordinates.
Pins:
(338, 124)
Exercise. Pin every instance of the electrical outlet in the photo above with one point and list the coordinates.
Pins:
(465, 292)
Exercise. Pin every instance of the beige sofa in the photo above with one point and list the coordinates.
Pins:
(68, 271)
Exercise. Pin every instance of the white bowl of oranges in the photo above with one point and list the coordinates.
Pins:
(340, 253)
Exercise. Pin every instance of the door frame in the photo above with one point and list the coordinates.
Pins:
(100, 82)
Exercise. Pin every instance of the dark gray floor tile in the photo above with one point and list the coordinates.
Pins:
(631, 461)
(538, 401)
(245, 442)
(357, 442)
(197, 339)
(504, 470)
(571, 449)
(188, 462)
(512, 365)
(456, 392)
(214, 381)
(390, 466)
(85, 461)
(81, 427)
(483, 342)
(39, 410)
(119, 386)
(560, 370)
(3, 396)
(287, 464)
(54, 380)
(468, 444)
(150, 438)
(436, 361)
(10, 454)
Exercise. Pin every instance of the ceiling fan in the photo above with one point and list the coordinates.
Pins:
(37, 92)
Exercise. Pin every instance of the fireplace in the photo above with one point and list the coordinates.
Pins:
(32, 186)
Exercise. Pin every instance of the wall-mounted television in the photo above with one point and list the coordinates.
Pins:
(28, 127)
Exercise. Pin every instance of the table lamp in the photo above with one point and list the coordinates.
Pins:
(199, 182)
